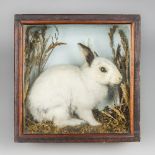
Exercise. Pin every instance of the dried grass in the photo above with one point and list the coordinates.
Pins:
(37, 51)
(111, 123)
(113, 119)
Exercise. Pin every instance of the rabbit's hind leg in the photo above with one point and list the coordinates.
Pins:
(87, 115)
(62, 118)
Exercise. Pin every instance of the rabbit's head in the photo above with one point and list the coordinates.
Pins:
(102, 70)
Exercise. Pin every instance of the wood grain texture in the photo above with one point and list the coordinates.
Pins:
(134, 20)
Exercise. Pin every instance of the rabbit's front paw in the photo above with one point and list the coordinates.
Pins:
(95, 123)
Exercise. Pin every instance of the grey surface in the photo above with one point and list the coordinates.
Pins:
(144, 7)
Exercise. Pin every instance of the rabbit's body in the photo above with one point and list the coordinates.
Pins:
(63, 90)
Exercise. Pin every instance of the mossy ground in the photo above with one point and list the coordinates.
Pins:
(115, 120)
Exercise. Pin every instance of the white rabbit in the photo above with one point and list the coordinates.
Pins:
(63, 90)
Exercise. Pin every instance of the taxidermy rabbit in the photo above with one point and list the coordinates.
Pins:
(63, 90)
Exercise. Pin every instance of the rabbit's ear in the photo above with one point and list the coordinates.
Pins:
(87, 53)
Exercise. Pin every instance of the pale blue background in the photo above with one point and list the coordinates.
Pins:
(10, 7)
(94, 36)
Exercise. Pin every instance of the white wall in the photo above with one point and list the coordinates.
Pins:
(144, 7)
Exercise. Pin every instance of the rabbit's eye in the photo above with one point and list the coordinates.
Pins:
(103, 69)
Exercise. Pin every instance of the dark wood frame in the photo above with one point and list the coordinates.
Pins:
(134, 20)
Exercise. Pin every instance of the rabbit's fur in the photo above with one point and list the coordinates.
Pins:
(65, 89)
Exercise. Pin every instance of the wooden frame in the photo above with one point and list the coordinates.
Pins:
(134, 20)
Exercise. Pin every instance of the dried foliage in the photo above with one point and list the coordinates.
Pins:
(121, 60)
(114, 119)
(111, 123)
(38, 48)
